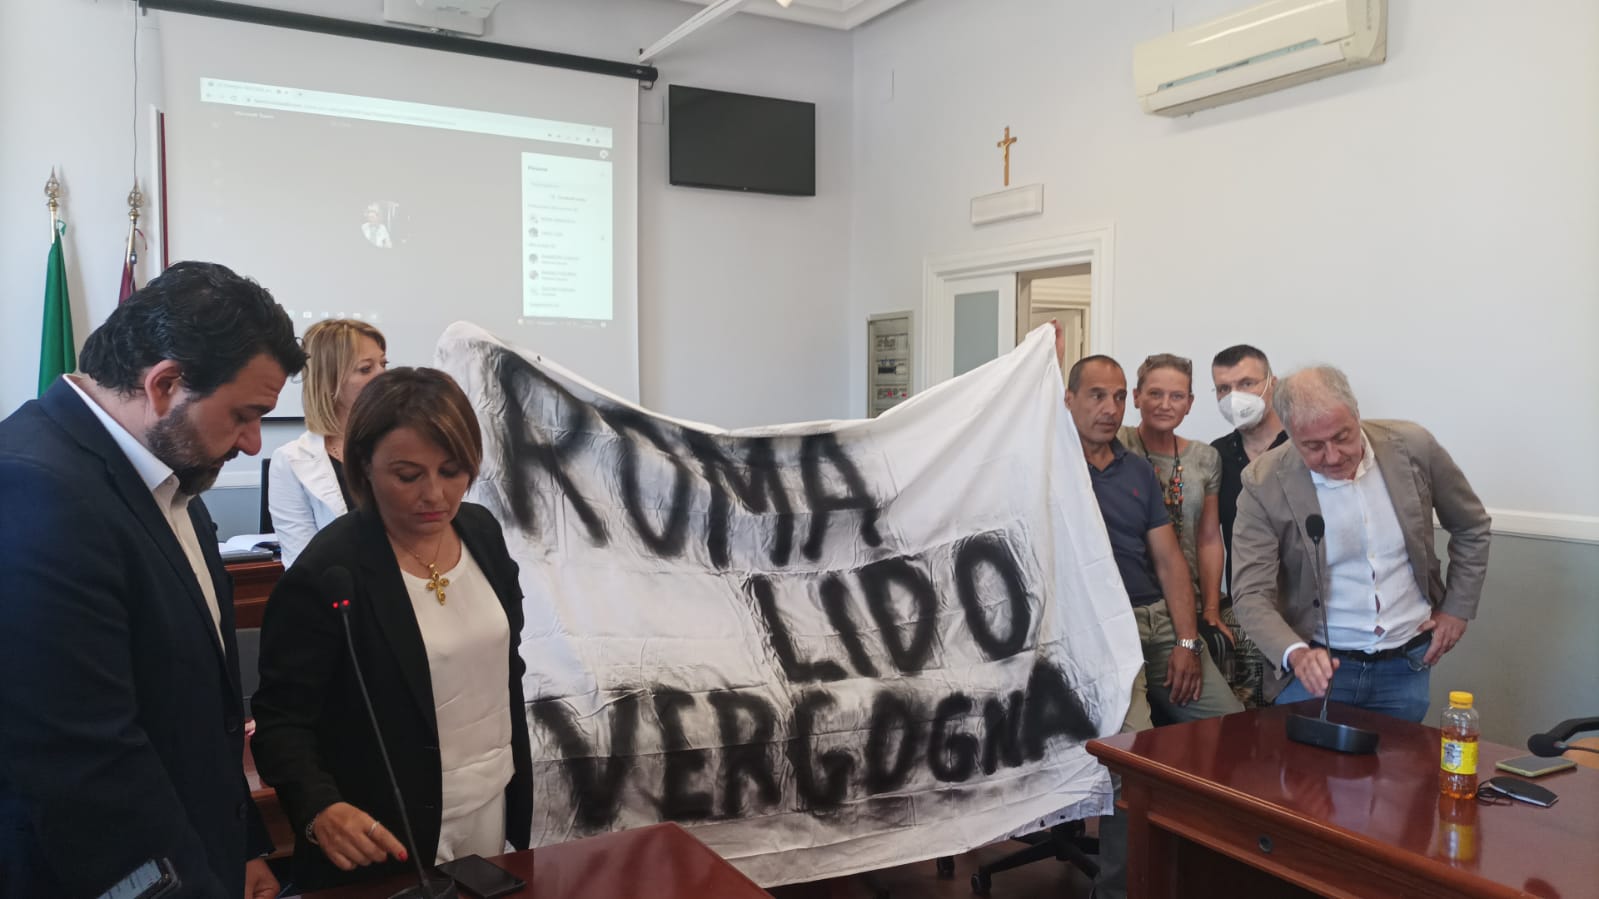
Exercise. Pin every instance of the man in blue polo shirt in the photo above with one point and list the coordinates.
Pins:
(1178, 679)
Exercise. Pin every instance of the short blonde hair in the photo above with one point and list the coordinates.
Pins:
(330, 348)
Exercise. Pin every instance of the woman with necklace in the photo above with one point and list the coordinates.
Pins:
(1189, 474)
(306, 487)
(435, 615)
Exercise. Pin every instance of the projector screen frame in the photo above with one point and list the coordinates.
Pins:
(427, 40)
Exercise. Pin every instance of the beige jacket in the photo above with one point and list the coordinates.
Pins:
(1273, 580)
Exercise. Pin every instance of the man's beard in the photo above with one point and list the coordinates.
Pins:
(176, 442)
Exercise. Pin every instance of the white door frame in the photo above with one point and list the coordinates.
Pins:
(936, 338)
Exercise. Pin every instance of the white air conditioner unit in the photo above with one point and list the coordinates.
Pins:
(1265, 48)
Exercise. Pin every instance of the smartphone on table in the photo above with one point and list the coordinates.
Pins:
(1534, 766)
(481, 878)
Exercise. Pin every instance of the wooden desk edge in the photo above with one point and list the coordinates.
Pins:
(1130, 764)
(252, 585)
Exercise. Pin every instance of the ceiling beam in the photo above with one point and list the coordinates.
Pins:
(842, 15)
(719, 9)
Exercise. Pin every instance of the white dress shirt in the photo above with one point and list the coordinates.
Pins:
(1373, 600)
(468, 647)
(162, 483)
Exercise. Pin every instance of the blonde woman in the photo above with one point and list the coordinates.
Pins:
(307, 487)
(1189, 473)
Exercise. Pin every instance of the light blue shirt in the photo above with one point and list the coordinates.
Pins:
(1373, 600)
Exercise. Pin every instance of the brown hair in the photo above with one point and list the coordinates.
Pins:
(425, 400)
(1167, 360)
(330, 348)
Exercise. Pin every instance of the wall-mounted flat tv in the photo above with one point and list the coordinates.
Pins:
(738, 142)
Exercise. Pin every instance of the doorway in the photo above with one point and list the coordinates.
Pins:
(1065, 294)
(977, 305)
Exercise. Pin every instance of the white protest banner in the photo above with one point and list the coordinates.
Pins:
(824, 648)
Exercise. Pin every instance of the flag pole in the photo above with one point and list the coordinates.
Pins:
(52, 192)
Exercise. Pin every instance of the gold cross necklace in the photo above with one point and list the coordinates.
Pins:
(436, 581)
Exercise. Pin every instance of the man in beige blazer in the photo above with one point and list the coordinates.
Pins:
(1375, 486)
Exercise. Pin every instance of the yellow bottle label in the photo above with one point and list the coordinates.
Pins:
(1459, 756)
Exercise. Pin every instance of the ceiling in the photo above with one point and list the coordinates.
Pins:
(840, 14)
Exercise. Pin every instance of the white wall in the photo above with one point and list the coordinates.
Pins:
(1430, 224)
(743, 300)
(66, 100)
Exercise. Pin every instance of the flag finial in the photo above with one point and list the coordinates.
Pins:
(130, 252)
(52, 193)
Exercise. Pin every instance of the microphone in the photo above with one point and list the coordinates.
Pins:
(1553, 743)
(1319, 731)
(337, 588)
(1315, 529)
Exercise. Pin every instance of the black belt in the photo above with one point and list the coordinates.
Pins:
(1381, 655)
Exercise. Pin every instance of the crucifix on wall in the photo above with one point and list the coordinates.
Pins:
(1008, 202)
(1005, 145)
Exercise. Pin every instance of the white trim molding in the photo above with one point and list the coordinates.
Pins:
(1541, 525)
(1546, 525)
(934, 338)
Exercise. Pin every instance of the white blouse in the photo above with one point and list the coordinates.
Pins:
(467, 640)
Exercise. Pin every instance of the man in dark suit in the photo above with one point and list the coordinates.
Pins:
(121, 719)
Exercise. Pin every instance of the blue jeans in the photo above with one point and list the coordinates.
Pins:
(1396, 687)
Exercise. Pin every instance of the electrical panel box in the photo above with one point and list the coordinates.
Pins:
(889, 361)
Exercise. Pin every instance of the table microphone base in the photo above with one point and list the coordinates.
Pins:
(1314, 731)
(441, 887)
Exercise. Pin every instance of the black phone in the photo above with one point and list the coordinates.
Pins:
(1516, 788)
(481, 878)
(151, 880)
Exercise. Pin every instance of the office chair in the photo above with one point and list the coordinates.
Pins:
(1066, 842)
(265, 526)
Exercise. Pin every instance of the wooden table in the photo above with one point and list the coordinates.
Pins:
(1231, 807)
(252, 584)
(661, 861)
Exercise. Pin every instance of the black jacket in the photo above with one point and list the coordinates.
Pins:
(121, 717)
(313, 740)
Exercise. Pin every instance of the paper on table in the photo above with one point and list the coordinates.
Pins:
(245, 542)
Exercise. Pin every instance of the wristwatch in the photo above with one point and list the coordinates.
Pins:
(1193, 645)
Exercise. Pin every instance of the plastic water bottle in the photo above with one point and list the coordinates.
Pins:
(1461, 728)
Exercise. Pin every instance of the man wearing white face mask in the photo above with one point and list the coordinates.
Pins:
(1244, 381)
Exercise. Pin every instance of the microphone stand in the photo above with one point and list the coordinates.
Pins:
(426, 887)
(1319, 731)
(1552, 743)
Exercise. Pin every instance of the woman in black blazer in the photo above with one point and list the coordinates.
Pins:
(435, 613)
